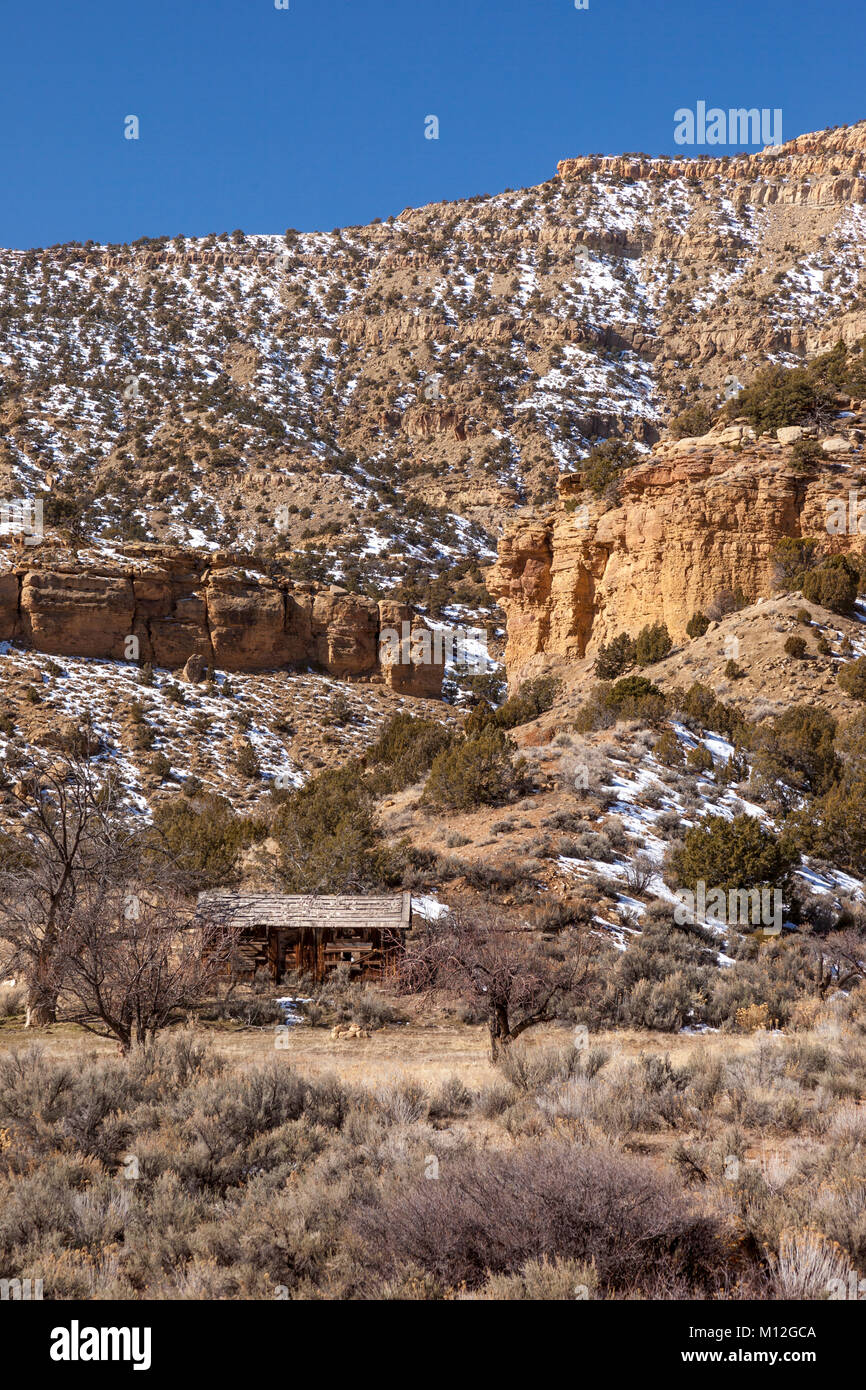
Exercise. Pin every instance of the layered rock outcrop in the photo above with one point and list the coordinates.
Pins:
(460, 353)
(175, 607)
(814, 170)
(699, 517)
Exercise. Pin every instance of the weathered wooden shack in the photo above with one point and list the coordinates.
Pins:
(311, 934)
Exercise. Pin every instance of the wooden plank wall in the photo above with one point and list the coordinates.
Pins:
(370, 951)
(314, 951)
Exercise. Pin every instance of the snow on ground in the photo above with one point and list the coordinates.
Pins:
(429, 908)
(720, 748)
(628, 785)
(288, 1004)
(831, 881)
(199, 729)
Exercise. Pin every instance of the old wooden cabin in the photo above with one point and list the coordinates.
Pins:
(311, 934)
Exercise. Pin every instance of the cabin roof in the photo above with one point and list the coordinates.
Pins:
(392, 910)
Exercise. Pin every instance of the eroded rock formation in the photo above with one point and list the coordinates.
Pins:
(177, 606)
(700, 516)
(813, 170)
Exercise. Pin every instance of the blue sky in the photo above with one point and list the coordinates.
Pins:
(313, 117)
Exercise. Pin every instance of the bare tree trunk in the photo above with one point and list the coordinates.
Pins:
(500, 1035)
(41, 1006)
(41, 992)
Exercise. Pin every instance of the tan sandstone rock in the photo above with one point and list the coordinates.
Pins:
(186, 614)
(71, 613)
(685, 529)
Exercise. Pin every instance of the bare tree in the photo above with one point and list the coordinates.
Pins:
(69, 835)
(640, 873)
(131, 963)
(518, 980)
(840, 959)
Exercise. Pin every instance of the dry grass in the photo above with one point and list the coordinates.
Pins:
(264, 1164)
(428, 1052)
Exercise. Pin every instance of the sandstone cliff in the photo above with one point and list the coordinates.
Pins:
(465, 354)
(177, 606)
(700, 516)
(816, 169)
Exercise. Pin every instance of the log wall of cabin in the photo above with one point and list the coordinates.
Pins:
(316, 950)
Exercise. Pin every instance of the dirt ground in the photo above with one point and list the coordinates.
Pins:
(424, 1052)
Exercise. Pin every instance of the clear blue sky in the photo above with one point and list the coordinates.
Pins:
(313, 117)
